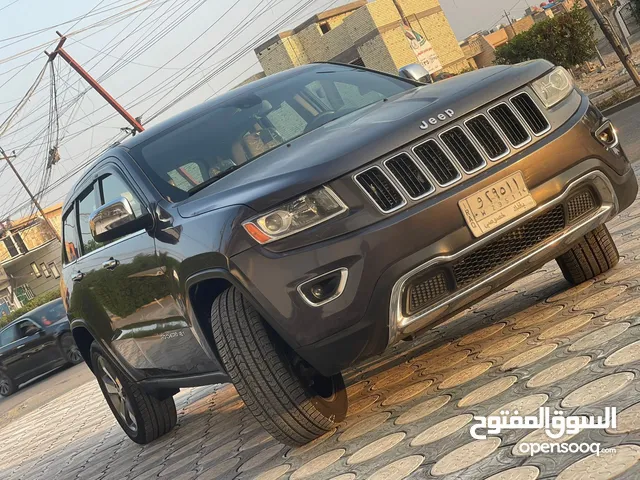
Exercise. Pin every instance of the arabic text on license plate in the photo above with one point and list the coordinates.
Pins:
(496, 204)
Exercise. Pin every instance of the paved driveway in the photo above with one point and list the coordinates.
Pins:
(536, 343)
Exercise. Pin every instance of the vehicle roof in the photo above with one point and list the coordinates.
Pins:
(198, 110)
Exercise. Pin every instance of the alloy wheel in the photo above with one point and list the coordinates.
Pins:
(117, 395)
(72, 352)
(5, 387)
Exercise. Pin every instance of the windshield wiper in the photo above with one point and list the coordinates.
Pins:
(212, 180)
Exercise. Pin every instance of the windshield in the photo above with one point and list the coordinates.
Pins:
(253, 123)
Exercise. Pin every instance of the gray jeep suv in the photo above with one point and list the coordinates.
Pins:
(296, 226)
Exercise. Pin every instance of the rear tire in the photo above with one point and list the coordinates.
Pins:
(7, 385)
(594, 254)
(143, 417)
(268, 377)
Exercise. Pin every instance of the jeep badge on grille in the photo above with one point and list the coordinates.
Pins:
(434, 120)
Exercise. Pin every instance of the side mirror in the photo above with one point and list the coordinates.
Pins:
(417, 73)
(31, 331)
(116, 219)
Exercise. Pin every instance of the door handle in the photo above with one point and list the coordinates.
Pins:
(77, 277)
(19, 347)
(110, 264)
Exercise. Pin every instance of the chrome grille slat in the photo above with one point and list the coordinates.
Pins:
(409, 175)
(380, 189)
(510, 125)
(488, 137)
(443, 159)
(437, 162)
(530, 112)
(463, 149)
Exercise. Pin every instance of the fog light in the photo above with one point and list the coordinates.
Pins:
(324, 288)
(607, 135)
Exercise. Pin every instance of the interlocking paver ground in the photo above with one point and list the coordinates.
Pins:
(536, 343)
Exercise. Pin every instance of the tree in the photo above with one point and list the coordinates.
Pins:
(635, 8)
(567, 40)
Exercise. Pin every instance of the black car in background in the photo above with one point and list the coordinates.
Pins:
(34, 344)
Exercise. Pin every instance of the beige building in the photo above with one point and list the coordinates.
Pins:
(365, 33)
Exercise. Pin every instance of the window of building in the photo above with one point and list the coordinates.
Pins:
(15, 245)
(17, 239)
(69, 233)
(358, 61)
(325, 27)
(45, 270)
(24, 293)
(36, 270)
(54, 270)
(86, 206)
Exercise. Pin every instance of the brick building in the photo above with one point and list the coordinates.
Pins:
(365, 33)
(29, 258)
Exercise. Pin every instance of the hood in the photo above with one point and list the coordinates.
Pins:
(357, 139)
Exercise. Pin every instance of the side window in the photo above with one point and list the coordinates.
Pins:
(69, 234)
(114, 187)
(354, 97)
(86, 206)
(287, 122)
(8, 335)
(26, 328)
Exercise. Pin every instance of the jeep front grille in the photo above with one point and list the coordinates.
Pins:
(483, 261)
(437, 162)
(463, 149)
(510, 125)
(488, 137)
(442, 160)
(531, 113)
(380, 189)
(409, 176)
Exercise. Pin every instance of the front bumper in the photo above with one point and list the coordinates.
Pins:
(402, 325)
(364, 320)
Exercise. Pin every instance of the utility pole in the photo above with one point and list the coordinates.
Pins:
(33, 199)
(134, 122)
(506, 14)
(625, 57)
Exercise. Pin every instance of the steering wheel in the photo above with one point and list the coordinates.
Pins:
(320, 120)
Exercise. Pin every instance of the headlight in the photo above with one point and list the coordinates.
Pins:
(292, 217)
(554, 87)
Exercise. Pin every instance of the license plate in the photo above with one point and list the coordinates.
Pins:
(496, 204)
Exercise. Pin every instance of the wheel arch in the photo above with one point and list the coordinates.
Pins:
(83, 338)
(202, 289)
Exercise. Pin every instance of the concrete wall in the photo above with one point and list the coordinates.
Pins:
(372, 32)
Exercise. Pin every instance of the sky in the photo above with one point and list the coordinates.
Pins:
(155, 31)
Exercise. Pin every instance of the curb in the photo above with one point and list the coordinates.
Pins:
(621, 106)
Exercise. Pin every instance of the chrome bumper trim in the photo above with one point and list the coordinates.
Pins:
(400, 326)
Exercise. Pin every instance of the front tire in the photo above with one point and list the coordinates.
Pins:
(143, 417)
(594, 254)
(269, 378)
(70, 350)
(7, 385)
